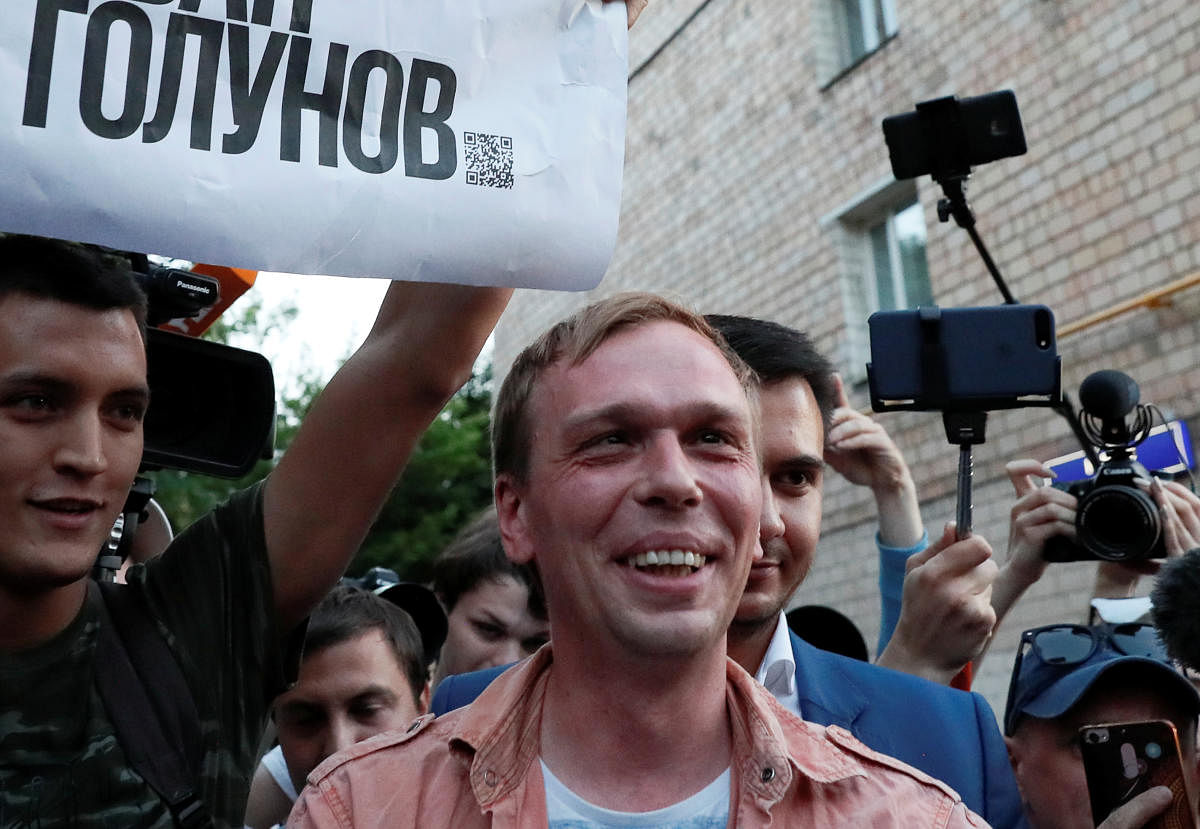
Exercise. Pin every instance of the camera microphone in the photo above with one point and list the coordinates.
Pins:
(1175, 608)
(1109, 394)
(1107, 397)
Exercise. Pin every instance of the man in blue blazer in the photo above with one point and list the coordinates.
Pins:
(948, 734)
(951, 735)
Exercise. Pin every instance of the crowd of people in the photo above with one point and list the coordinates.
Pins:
(608, 645)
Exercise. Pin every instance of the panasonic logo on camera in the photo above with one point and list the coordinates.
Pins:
(191, 286)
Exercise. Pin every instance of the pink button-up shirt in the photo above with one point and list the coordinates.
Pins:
(477, 767)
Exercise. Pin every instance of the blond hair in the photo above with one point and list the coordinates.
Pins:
(574, 339)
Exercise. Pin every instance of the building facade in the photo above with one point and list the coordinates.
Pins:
(757, 181)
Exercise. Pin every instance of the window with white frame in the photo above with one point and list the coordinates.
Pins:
(898, 269)
(853, 29)
(880, 238)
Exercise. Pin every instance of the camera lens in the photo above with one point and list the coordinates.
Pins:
(1153, 751)
(1117, 523)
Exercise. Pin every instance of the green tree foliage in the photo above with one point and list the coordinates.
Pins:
(446, 482)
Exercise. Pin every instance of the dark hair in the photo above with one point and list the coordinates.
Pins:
(827, 629)
(475, 555)
(69, 272)
(777, 352)
(347, 612)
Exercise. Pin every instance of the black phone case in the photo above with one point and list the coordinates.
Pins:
(1122, 760)
(992, 353)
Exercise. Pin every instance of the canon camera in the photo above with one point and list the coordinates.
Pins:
(1115, 519)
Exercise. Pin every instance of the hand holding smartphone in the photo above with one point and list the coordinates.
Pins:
(1122, 760)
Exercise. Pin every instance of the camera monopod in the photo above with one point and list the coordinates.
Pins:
(962, 362)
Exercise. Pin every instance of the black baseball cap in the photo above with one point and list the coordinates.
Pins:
(417, 600)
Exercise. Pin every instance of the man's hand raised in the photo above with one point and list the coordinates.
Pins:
(947, 614)
(334, 477)
(862, 452)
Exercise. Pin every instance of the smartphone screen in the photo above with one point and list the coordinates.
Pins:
(1122, 760)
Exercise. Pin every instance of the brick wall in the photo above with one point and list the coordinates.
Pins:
(740, 148)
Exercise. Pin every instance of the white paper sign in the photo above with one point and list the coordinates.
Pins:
(471, 141)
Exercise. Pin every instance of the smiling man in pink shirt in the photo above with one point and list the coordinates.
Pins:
(628, 470)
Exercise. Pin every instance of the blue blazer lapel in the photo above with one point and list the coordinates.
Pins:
(828, 693)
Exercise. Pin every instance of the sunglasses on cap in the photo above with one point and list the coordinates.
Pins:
(1068, 644)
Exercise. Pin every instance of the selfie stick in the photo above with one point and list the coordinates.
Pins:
(962, 512)
(965, 429)
(966, 425)
(950, 168)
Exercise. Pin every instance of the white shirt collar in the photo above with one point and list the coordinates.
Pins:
(777, 673)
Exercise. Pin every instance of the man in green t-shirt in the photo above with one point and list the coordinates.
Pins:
(229, 593)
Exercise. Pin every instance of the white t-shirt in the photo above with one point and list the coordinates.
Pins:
(274, 763)
(277, 766)
(706, 809)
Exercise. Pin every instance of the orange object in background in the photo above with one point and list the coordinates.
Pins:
(963, 679)
(234, 283)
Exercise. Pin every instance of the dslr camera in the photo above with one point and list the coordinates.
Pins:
(1115, 519)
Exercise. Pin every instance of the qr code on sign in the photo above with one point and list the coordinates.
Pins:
(489, 159)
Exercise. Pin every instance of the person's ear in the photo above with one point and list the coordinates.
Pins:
(1016, 759)
(1014, 753)
(511, 512)
(425, 698)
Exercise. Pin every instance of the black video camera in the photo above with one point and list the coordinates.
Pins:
(212, 406)
(175, 293)
(1115, 519)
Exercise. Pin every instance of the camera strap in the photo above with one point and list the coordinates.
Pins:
(148, 701)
